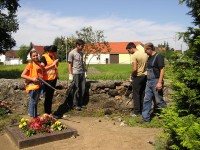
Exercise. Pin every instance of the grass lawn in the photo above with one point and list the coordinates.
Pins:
(95, 71)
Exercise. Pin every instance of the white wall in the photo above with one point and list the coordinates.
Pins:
(2, 58)
(14, 61)
(94, 59)
(10, 61)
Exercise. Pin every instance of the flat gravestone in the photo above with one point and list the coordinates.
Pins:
(22, 141)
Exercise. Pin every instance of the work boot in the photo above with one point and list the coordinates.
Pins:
(77, 108)
(84, 107)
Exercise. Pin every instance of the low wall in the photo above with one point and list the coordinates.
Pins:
(112, 95)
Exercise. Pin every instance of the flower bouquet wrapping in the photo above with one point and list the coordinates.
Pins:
(44, 124)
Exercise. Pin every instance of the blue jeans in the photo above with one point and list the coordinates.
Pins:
(34, 97)
(151, 92)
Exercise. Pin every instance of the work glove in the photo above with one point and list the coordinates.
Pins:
(70, 77)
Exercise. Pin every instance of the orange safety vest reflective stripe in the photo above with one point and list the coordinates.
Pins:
(51, 73)
(32, 73)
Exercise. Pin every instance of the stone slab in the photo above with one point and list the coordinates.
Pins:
(22, 141)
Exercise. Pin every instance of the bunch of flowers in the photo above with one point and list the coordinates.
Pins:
(45, 124)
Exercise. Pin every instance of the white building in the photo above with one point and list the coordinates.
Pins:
(117, 55)
(98, 59)
(10, 58)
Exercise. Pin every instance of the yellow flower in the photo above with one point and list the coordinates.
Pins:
(44, 115)
(52, 126)
(22, 120)
(24, 124)
(20, 126)
(59, 128)
(57, 122)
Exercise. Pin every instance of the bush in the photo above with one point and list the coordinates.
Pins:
(181, 132)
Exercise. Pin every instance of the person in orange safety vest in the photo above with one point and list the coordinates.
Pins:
(50, 63)
(31, 73)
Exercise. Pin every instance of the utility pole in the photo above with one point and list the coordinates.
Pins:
(66, 49)
(175, 42)
(181, 49)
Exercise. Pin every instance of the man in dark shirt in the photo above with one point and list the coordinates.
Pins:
(154, 85)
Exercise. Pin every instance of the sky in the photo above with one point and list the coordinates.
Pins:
(156, 21)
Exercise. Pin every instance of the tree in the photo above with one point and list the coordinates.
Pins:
(65, 45)
(8, 23)
(181, 120)
(95, 42)
(22, 53)
(70, 44)
(60, 43)
(189, 66)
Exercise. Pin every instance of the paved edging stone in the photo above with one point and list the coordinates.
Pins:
(22, 141)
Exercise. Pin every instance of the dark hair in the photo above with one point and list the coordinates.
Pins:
(53, 48)
(46, 48)
(150, 45)
(80, 42)
(130, 45)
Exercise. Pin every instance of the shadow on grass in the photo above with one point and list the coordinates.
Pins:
(10, 74)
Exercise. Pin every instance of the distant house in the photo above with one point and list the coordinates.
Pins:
(117, 55)
(10, 58)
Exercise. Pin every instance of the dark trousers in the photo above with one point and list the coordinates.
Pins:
(49, 95)
(78, 89)
(138, 89)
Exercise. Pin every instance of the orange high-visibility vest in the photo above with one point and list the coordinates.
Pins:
(51, 73)
(33, 72)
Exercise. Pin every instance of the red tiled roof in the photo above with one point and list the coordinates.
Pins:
(116, 47)
(39, 49)
(11, 53)
(120, 47)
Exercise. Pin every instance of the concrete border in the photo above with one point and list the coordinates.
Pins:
(22, 141)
